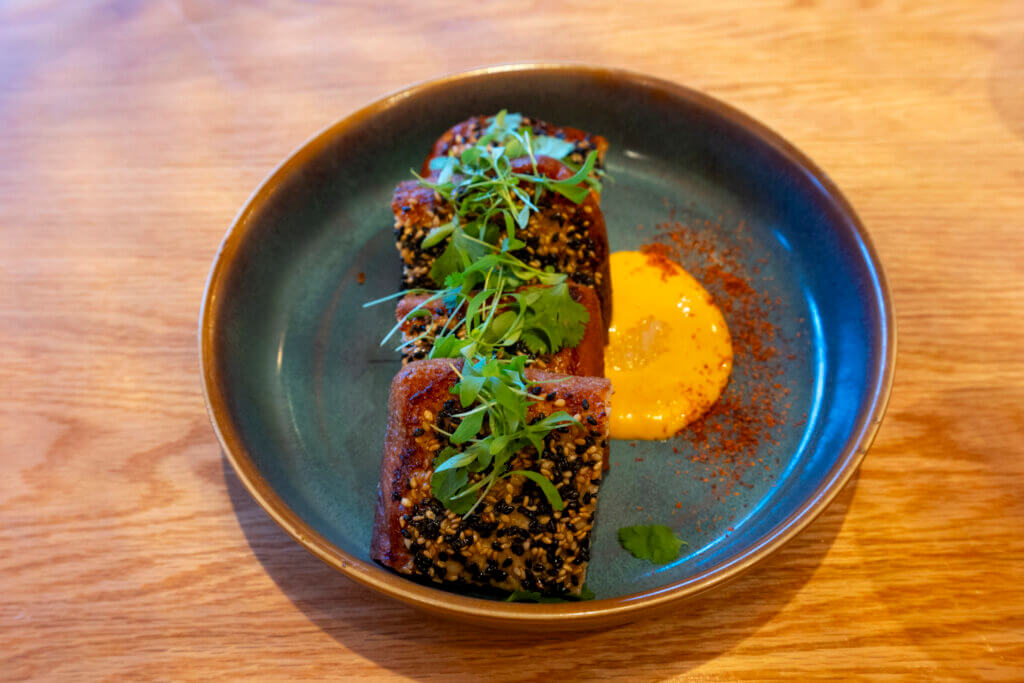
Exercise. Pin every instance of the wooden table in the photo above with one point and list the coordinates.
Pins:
(131, 132)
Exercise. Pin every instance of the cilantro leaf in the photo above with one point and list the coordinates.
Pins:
(553, 320)
(654, 542)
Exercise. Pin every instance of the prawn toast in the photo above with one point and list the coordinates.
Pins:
(569, 238)
(515, 538)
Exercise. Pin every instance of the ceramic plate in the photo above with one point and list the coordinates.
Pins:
(297, 383)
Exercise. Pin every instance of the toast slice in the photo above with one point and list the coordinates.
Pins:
(571, 238)
(464, 134)
(514, 540)
(586, 358)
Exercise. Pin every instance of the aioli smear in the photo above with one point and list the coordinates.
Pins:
(669, 353)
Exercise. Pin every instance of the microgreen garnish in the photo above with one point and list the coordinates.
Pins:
(479, 275)
(497, 390)
(489, 198)
(654, 542)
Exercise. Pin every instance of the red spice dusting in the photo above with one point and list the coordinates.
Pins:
(360, 277)
(726, 440)
(658, 256)
(679, 506)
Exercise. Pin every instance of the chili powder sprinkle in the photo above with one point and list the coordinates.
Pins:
(727, 439)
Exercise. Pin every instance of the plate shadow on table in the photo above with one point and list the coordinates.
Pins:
(414, 644)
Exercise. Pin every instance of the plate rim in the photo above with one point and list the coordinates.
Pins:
(575, 615)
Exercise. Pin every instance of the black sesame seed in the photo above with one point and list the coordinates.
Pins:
(591, 420)
(485, 529)
(418, 431)
(517, 549)
(496, 546)
(551, 396)
(586, 404)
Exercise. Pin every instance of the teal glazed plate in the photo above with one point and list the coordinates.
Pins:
(296, 382)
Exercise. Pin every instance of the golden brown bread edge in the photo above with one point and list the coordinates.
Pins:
(487, 539)
(586, 358)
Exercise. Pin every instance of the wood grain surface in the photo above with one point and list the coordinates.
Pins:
(131, 132)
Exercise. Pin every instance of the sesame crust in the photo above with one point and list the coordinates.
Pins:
(514, 540)
(464, 134)
(586, 358)
(570, 238)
